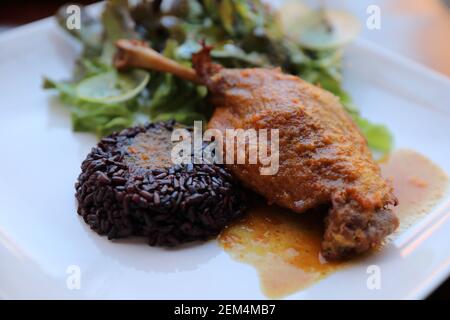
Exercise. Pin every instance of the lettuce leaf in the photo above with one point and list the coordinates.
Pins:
(244, 34)
(378, 136)
(102, 119)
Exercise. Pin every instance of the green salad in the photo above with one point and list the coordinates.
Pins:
(243, 33)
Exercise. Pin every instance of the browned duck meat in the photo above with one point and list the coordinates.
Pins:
(323, 157)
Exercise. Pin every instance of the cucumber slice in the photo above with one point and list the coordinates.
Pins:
(321, 29)
(112, 87)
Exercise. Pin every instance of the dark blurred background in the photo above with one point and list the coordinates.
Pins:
(419, 29)
(17, 12)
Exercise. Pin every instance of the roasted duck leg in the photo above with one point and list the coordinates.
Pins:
(323, 157)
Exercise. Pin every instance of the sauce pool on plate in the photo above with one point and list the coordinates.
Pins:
(418, 184)
(284, 247)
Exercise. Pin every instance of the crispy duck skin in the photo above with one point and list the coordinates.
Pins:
(323, 157)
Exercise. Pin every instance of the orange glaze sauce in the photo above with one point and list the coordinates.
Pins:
(418, 184)
(284, 247)
(151, 149)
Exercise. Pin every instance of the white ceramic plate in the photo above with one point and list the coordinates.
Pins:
(41, 234)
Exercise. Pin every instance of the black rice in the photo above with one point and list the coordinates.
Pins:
(127, 187)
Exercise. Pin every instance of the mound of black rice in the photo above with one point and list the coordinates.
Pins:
(128, 186)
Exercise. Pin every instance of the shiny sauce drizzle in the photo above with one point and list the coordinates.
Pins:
(284, 247)
(418, 184)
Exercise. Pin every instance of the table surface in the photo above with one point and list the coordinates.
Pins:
(417, 29)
